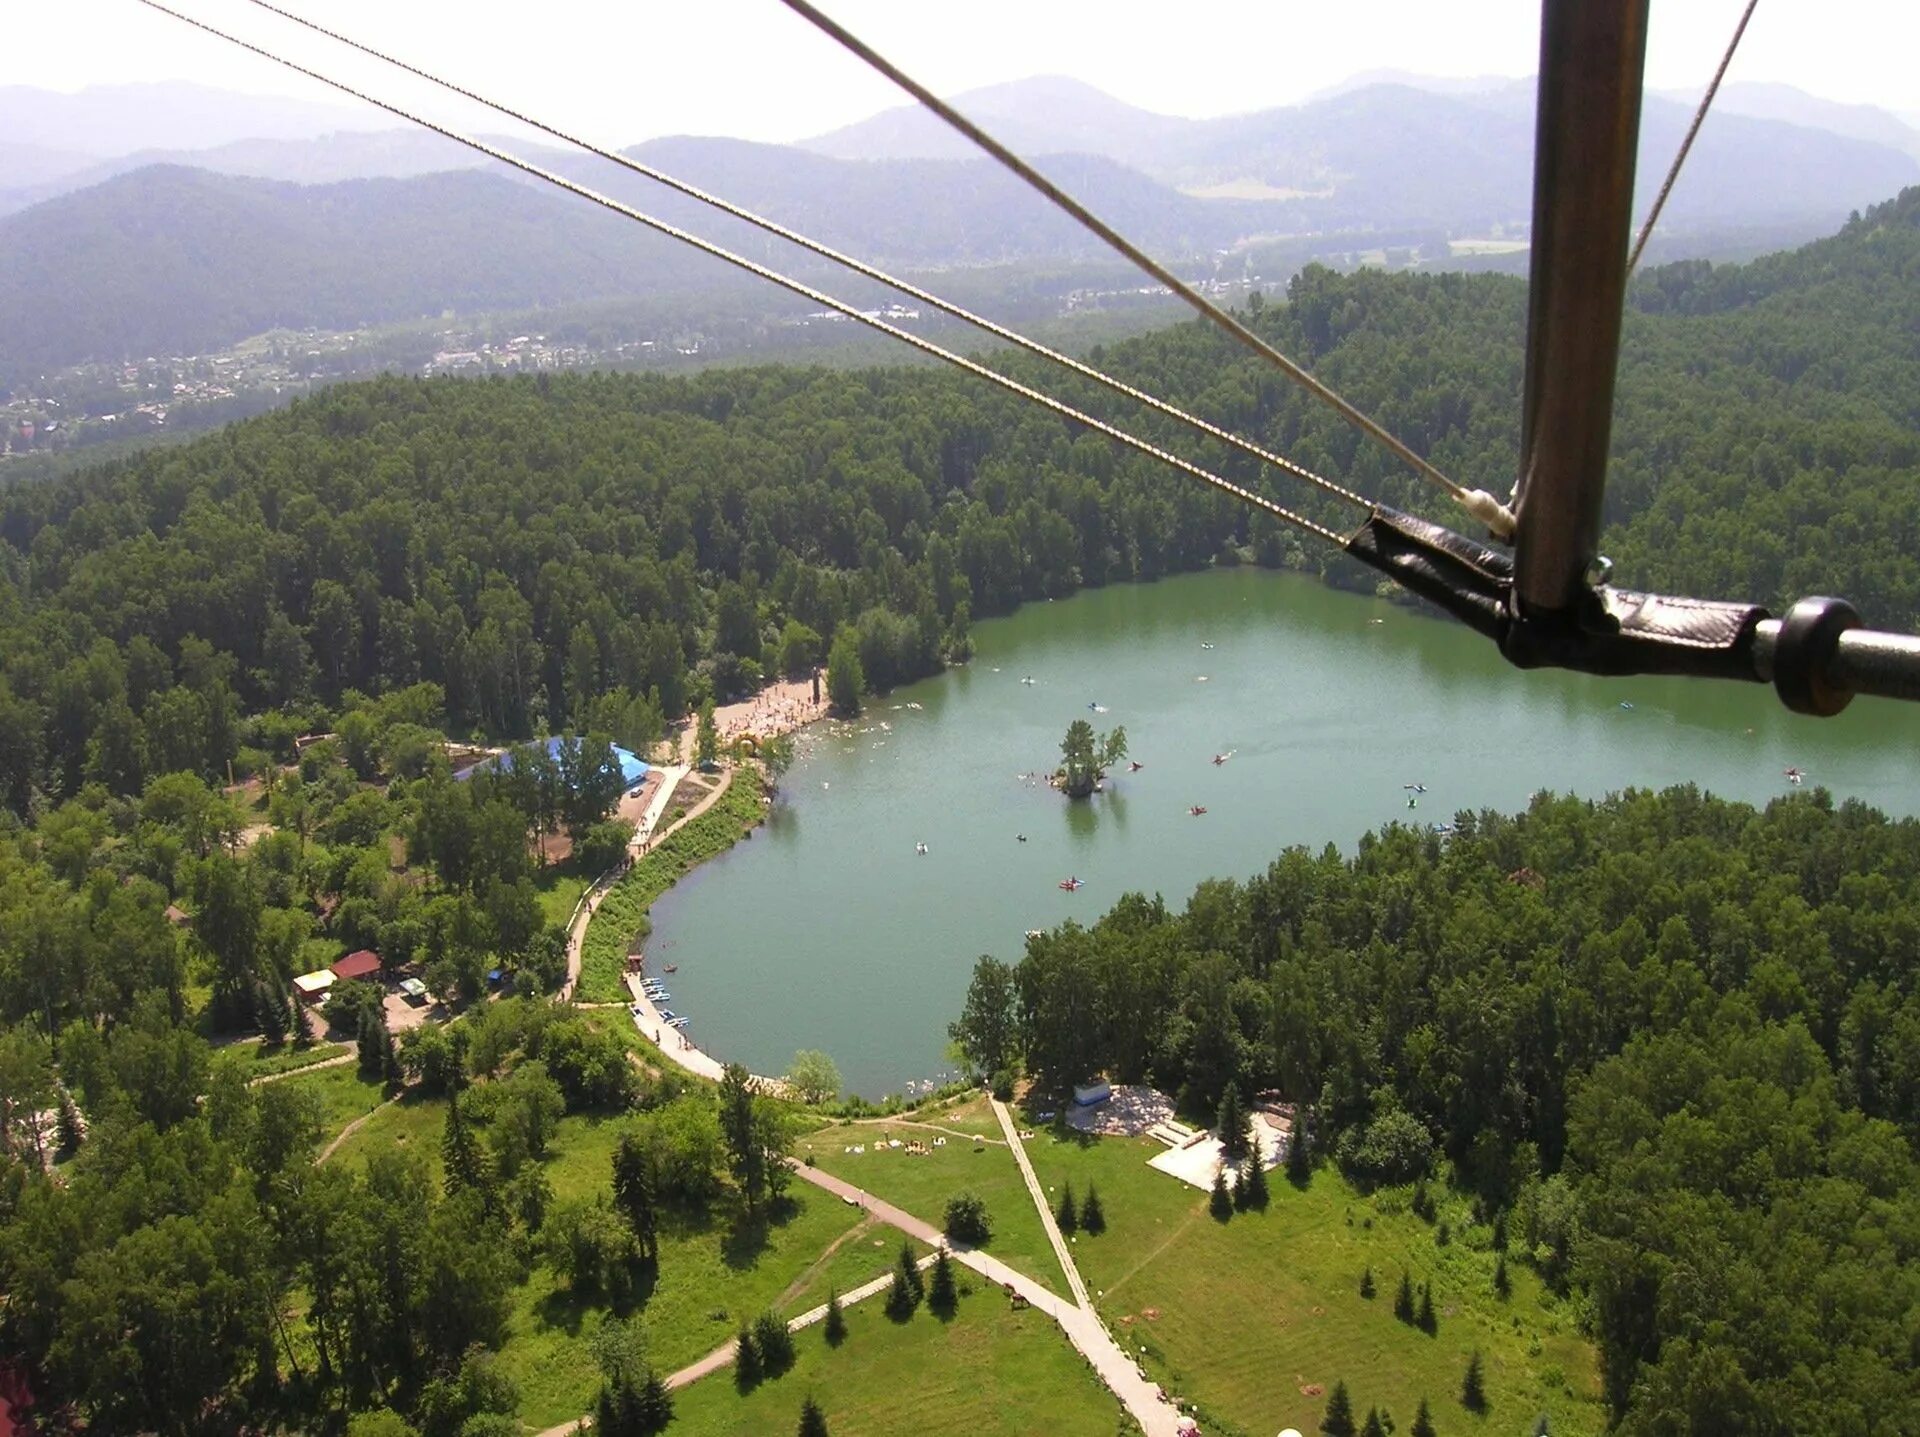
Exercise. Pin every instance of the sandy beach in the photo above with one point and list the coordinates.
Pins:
(778, 708)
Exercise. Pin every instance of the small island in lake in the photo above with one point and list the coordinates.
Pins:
(1086, 757)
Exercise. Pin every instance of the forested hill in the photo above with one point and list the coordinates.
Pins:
(171, 260)
(531, 544)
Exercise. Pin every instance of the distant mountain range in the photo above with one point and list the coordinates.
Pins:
(114, 253)
(1393, 148)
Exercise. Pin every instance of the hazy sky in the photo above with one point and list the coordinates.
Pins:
(625, 70)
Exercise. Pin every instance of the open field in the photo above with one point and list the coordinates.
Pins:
(868, 1251)
(989, 1371)
(707, 1266)
(713, 1275)
(1253, 1310)
(559, 888)
(344, 1095)
(623, 912)
(258, 1060)
(923, 1184)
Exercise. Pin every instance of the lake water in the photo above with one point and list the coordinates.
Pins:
(828, 930)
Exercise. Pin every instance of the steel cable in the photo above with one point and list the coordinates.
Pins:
(860, 267)
(660, 226)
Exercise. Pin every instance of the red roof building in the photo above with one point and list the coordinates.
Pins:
(364, 964)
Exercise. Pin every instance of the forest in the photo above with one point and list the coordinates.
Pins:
(534, 545)
(1671, 1042)
(1671, 1045)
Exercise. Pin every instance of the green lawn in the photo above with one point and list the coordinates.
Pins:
(623, 913)
(707, 1266)
(712, 1277)
(344, 1095)
(257, 1060)
(869, 1251)
(987, 1373)
(923, 1184)
(560, 888)
(1251, 1311)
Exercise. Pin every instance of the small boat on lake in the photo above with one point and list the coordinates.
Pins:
(1220, 758)
(1197, 810)
(671, 968)
(1072, 885)
(1135, 766)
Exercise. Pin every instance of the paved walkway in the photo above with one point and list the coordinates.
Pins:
(603, 885)
(1082, 1325)
(1078, 1287)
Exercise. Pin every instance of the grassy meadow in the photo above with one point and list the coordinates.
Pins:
(1254, 1319)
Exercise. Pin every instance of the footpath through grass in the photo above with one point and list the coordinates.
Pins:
(990, 1372)
(1256, 1318)
(922, 1183)
(623, 912)
(344, 1095)
(714, 1272)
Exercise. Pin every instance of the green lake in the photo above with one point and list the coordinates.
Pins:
(830, 930)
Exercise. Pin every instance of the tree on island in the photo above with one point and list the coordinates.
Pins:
(846, 680)
(1085, 757)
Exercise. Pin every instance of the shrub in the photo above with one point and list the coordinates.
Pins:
(967, 1220)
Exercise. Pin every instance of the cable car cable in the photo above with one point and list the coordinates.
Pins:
(660, 226)
(1477, 502)
(860, 267)
(1686, 143)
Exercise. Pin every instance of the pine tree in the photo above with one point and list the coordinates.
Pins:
(1300, 1149)
(461, 1155)
(1422, 1422)
(747, 1371)
(813, 1422)
(1500, 1231)
(1502, 1284)
(836, 1323)
(1428, 1323)
(1234, 1124)
(1373, 1427)
(654, 1409)
(1251, 1191)
(1093, 1217)
(905, 1293)
(1067, 1215)
(911, 1269)
(1366, 1283)
(1422, 1203)
(770, 1335)
(1473, 1390)
(68, 1129)
(1403, 1299)
(1339, 1419)
(1220, 1204)
(942, 1296)
(635, 1193)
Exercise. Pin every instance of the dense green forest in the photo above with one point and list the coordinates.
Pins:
(532, 545)
(1674, 1042)
(1672, 1046)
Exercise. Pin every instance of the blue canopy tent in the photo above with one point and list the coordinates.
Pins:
(633, 768)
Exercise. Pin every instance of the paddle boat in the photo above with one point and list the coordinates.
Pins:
(1794, 775)
(1072, 885)
(1197, 810)
(1220, 758)
(1135, 766)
